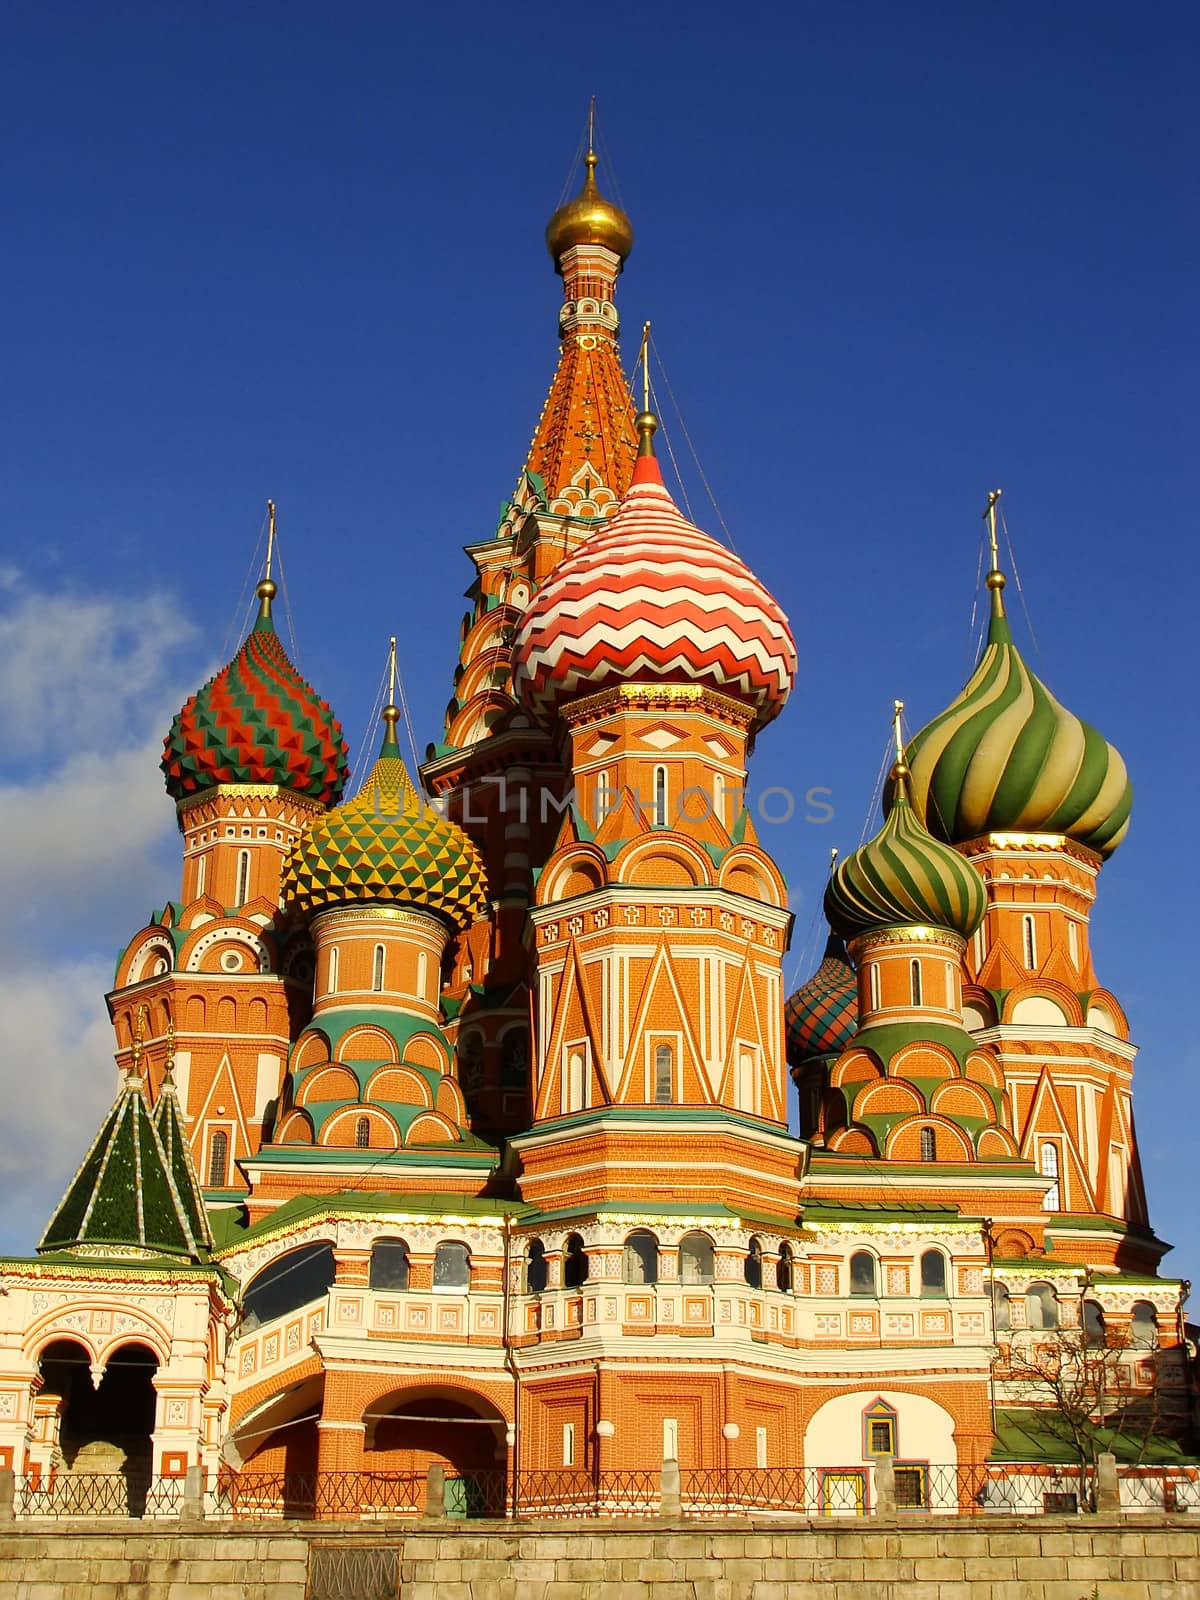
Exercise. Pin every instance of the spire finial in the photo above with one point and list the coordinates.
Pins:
(133, 1074)
(266, 590)
(170, 1067)
(592, 126)
(391, 711)
(900, 769)
(995, 578)
(646, 422)
(833, 859)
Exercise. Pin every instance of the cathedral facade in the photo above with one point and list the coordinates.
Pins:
(453, 1116)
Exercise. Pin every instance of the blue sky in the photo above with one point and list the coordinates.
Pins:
(894, 256)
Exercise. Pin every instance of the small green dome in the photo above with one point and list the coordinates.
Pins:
(1005, 757)
(387, 844)
(904, 875)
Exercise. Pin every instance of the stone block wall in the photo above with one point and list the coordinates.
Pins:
(1129, 1558)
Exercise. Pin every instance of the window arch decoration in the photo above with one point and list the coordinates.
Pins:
(1095, 1331)
(1001, 1307)
(452, 1265)
(785, 1270)
(752, 1267)
(377, 969)
(1143, 1325)
(696, 1261)
(390, 1265)
(864, 1274)
(537, 1268)
(1041, 1307)
(575, 1262)
(362, 1133)
(928, 1144)
(880, 1430)
(218, 1159)
(933, 1272)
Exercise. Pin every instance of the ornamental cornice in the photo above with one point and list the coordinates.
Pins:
(657, 697)
(907, 933)
(1030, 1036)
(1031, 844)
(211, 799)
(345, 916)
(688, 909)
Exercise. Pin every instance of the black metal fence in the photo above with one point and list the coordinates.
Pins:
(899, 1488)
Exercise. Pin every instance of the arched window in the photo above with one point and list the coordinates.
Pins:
(951, 992)
(663, 1075)
(862, 1273)
(1029, 940)
(752, 1266)
(745, 1080)
(1073, 943)
(452, 1266)
(1049, 1162)
(377, 970)
(218, 1160)
(641, 1258)
(331, 986)
(933, 1272)
(575, 1262)
(422, 975)
(292, 1280)
(605, 798)
(695, 1258)
(1143, 1325)
(873, 985)
(201, 873)
(1041, 1306)
(537, 1270)
(980, 947)
(362, 1133)
(243, 878)
(1001, 1308)
(928, 1144)
(660, 797)
(514, 1059)
(785, 1271)
(389, 1264)
(1093, 1323)
(576, 1085)
(914, 982)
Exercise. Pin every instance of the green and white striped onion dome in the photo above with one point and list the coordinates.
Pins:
(1005, 757)
(904, 875)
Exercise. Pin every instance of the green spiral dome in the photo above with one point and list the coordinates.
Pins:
(904, 875)
(1005, 757)
(387, 844)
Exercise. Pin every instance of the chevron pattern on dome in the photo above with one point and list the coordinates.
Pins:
(257, 721)
(821, 1017)
(649, 596)
(387, 844)
(1006, 757)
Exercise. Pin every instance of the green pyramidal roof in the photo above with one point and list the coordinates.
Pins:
(124, 1200)
(178, 1152)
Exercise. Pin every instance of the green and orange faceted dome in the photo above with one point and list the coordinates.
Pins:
(257, 722)
(1005, 757)
(387, 844)
(904, 876)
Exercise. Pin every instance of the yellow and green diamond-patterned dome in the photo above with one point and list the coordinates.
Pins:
(387, 844)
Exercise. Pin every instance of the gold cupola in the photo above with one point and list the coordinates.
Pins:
(589, 219)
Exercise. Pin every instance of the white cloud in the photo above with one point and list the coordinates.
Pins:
(86, 849)
(57, 1078)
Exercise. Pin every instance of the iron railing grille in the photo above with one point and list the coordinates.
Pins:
(91, 1494)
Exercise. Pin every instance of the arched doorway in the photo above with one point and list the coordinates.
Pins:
(408, 1431)
(270, 1459)
(108, 1429)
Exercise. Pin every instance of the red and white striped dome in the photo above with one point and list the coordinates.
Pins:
(649, 596)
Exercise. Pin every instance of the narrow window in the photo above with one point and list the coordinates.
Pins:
(537, 1269)
(377, 971)
(695, 1258)
(1041, 1307)
(951, 992)
(1030, 943)
(785, 1271)
(862, 1273)
(1053, 1200)
(980, 948)
(452, 1267)
(575, 1262)
(576, 1082)
(873, 978)
(362, 1133)
(422, 975)
(1073, 943)
(243, 878)
(1001, 1308)
(605, 801)
(568, 1459)
(389, 1264)
(331, 986)
(752, 1268)
(928, 1144)
(670, 1439)
(660, 797)
(933, 1272)
(201, 873)
(663, 1074)
(218, 1160)
(641, 1258)
(1093, 1323)
(1143, 1326)
(745, 1080)
(880, 1430)
(760, 1447)
(719, 799)
(914, 982)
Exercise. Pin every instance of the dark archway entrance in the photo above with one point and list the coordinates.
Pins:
(108, 1430)
(408, 1432)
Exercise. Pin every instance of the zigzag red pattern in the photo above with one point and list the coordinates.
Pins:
(651, 596)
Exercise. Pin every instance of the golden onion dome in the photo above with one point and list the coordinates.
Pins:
(589, 219)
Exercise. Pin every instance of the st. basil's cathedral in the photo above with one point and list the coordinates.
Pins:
(453, 1119)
